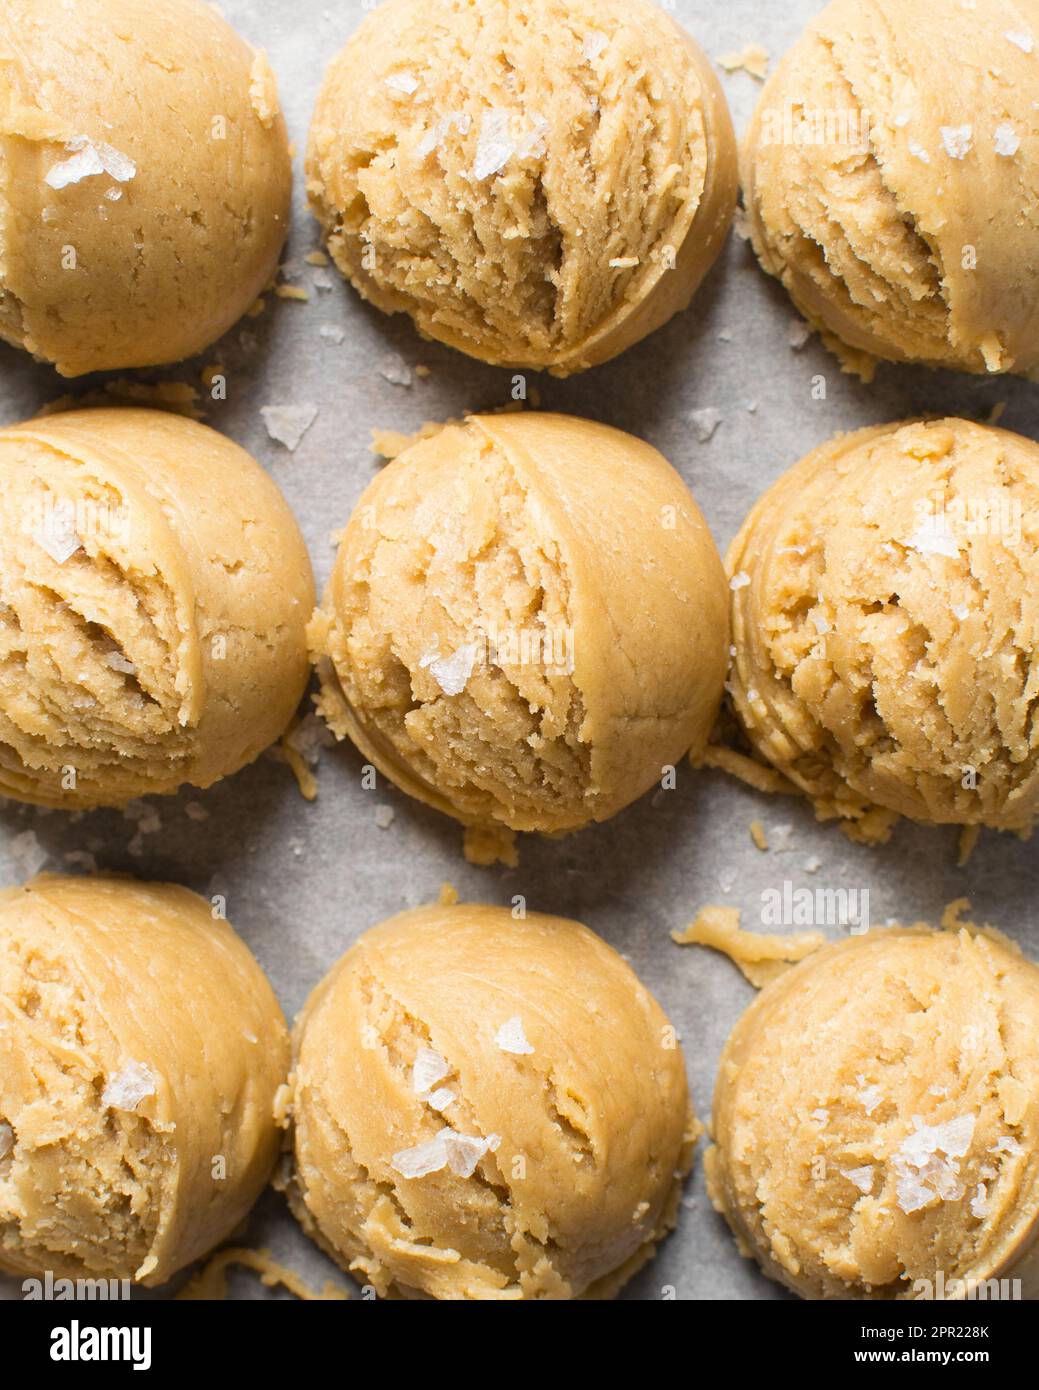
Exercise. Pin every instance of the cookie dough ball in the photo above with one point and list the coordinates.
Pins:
(487, 1108)
(140, 1052)
(538, 183)
(526, 622)
(889, 177)
(876, 1119)
(154, 594)
(144, 180)
(886, 617)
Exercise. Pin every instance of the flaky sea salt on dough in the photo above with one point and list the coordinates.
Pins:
(144, 180)
(140, 1053)
(526, 623)
(156, 591)
(876, 1119)
(885, 642)
(889, 174)
(556, 1166)
(538, 183)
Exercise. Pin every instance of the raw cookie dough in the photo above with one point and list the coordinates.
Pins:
(889, 175)
(885, 613)
(538, 183)
(144, 180)
(876, 1119)
(487, 1107)
(141, 1048)
(526, 622)
(154, 594)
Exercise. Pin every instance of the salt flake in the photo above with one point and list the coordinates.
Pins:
(510, 1037)
(1022, 40)
(402, 82)
(494, 148)
(287, 424)
(957, 140)
(129, 1086)
(861, 1177)
(88, 159)
(1006, 140)
(427, 1069)
(452, 672)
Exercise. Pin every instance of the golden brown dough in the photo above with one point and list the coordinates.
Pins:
(526, 622)
(876, 1120)
(885, 614)
(140, 1051)
(538, 183)
(487, 1108)
(144, 180)
(889, 174)
(154, 594)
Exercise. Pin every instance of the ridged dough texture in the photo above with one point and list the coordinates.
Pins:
(141, 1048)
(903, 218)
(110, 272)
(590, 1128)
(170, 645)
(526, 622)
(538, 183)
(876, 1119)
(885, 617)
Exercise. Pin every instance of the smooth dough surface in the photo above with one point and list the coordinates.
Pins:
(140, 1043)
(876, 1118)
(538, 183)
(154, 595)
(570, 1145)
(890, 177)
(526, 622)
(885, 615)
(144, 180)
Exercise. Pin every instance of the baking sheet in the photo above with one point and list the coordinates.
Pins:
(301, 880)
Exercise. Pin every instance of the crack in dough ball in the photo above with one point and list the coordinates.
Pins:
(145, 180)
(885, 608)
(876, 1119)
(538, 183)
(154, 595)
(487, 1108)
(140, 1053)
(526, 622)
(889, 175)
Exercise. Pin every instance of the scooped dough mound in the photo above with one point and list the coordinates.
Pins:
(144, 180)
(487, 1107)
(876, 1119)
(538, 183)
(140, 1051)
(889, 174)
(526, 622)
(886, 618)
(154, 594)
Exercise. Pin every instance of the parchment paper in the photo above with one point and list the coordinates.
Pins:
(302, 881)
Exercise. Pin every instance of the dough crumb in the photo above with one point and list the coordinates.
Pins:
(210, 1282)
(485, 845)
(387, 444)
(752, 59)
(263, 90)
(760, 956)
(296, 292)
(448, 895)
(969, 836)
(752, 774)
(757, 834)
